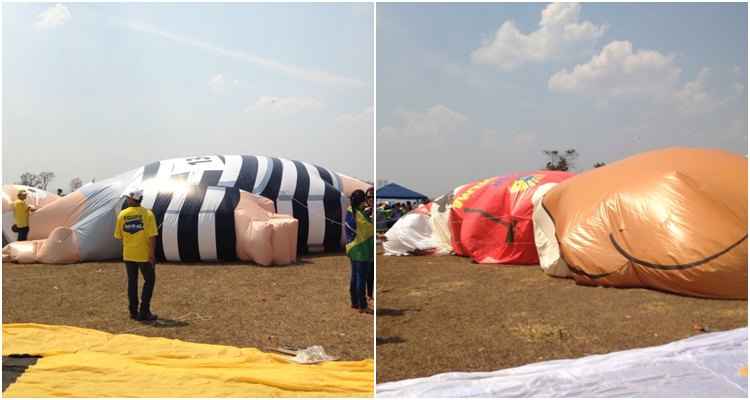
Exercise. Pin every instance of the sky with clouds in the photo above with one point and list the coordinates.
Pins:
(92, 90)
(476, 90)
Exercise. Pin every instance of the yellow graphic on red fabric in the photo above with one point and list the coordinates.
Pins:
(78, 362)
(466, 195)
(525, 182)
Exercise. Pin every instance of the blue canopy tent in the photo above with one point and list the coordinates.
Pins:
(394, 191)
(391, 192)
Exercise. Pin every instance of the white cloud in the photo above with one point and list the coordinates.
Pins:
(217, 83)
(618, 71)
(693, 97)
(53, 17)
(559, 30)
(437, 121)
(285, 105)
(291, 70)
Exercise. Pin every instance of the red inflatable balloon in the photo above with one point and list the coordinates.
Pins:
(491, 218)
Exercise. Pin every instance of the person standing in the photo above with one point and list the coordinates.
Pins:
(359, 249)
(21, 212)
(136, 227)
(370, 270)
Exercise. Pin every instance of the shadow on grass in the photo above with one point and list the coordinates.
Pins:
(166, 323)
(237, 264)
(394, 312)
(389, 340)
(302, 259)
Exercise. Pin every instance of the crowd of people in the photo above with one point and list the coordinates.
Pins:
(391, 212)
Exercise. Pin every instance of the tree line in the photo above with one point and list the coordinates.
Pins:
(564, 160)
(42, 180)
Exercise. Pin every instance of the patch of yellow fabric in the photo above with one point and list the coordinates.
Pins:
(743, 372)
(78, 362)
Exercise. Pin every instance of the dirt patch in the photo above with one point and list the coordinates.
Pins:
(537, 332)
(472, 317)
(230, 304)
(657, 307)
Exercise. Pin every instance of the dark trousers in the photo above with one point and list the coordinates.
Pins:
(23, 234)
(370, 278)
(149, 278)
(357, 284)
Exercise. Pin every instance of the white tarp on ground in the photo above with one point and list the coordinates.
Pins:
(707, 365)
(425, 230)
(410, 233)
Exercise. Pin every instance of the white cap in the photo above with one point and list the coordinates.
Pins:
(136, 195)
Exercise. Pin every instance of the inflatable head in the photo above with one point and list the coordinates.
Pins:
(673, 220)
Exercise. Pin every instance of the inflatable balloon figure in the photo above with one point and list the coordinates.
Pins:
(673, 220)
(208, 208)
(34, 197)
(489, 220)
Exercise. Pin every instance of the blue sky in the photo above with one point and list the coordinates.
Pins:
(92, 90)
(473, 90)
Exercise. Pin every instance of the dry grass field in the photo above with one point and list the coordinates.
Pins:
(231, 304)
(440, 314)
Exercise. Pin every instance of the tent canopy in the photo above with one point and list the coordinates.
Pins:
(396, 191)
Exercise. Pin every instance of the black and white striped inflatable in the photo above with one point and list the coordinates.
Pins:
(312, 194)
(195, 223)
(194, 200)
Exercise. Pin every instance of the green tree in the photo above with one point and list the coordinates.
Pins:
(560, 160)
(40, 180)
(75, 183)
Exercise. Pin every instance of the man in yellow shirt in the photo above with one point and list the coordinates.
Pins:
(136, 227)
(21, 211)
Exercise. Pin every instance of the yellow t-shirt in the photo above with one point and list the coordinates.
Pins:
(135, 225)
(21, 210)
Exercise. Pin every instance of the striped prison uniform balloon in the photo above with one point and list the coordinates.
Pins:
(198, 223)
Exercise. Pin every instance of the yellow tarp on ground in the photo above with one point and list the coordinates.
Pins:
(79, 362)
